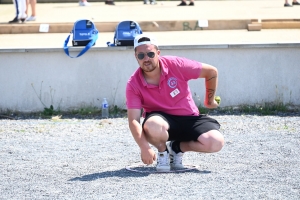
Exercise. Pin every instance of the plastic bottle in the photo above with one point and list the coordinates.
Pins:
(104, 108)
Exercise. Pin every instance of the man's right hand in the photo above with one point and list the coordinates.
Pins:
(148, 156)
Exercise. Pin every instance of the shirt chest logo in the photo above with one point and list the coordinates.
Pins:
(172, 82)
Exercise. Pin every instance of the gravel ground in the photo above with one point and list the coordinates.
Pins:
(86, 159)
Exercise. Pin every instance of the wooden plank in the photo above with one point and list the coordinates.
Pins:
(34, 28)
(280, 20)
(191, 25)
(150, 26)
(254, 27)
(281, 25)
(60, 28)
(106, 26)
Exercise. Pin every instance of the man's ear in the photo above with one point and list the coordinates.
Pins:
(135, 56)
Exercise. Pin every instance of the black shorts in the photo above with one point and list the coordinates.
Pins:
(186, 128)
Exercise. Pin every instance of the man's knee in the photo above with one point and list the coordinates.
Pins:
(213, 140)
(155, 125)
(217, 144)
(156, 133)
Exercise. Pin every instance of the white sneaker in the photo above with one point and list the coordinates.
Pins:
(175, 158)
(31, 18)
(22, 16)
(163, 163)
(84, 3)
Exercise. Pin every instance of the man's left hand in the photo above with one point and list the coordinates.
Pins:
(216, 102)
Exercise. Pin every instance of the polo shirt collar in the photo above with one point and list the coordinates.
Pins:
(164, 72)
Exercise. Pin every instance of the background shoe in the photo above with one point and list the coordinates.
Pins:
(296, 3)
(163, 164)
(182, 3)
(31, 18)
(191, 4)
(175, 158)
(287, 5)
(153, 2)
(110, 3)
(84, 3)
(15, 20)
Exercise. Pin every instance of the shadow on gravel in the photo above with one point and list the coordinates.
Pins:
(123, 173)
(117, 173)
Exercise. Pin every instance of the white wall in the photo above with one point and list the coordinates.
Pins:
(248, 74)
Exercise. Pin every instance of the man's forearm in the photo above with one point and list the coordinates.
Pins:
(138, 135)
(211, 83)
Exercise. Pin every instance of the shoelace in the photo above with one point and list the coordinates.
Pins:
(176, 159)
(162, 159)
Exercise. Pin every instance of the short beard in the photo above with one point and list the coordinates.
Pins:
(151, 69)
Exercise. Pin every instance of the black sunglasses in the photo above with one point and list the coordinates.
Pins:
(150, 54)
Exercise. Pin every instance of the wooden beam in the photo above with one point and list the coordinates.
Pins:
(280, 24)
(254, 27)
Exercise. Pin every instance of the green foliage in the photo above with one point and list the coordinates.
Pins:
(115, 110)
(203, 110)
(89, 110)
(265, 109)
(48, 111)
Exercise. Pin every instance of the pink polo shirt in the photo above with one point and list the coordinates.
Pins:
(172, 95)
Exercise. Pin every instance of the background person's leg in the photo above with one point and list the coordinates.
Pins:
(15, 20)
(32, 3)
(22, 9)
